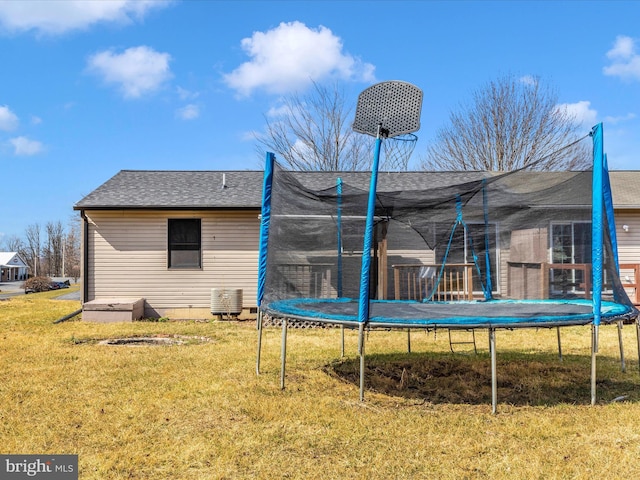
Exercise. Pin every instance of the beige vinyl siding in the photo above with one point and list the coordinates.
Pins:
(629, 241)
(128, 257)
(628, 245)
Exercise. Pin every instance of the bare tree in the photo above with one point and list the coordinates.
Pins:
(33, 248)
(12, 243)
(71, 250)
(313, 132)
(52, 259)
(58, 256)
(510, 124)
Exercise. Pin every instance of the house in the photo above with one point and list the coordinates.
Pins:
(169, 239)
(12, 267)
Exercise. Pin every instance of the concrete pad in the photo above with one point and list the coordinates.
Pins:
(107, 310)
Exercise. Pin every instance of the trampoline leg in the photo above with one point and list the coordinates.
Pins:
(408, 340)
(593, 364)
(494, 381)
(623, 365)
(341, 341)
(559, 344)
(361, 353)
(259, 342)
(283, 352)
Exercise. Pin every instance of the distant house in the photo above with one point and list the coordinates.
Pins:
(12, 267)
(170, 237)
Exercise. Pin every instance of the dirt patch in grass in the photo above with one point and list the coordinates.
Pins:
(148, 340)
(460, 379)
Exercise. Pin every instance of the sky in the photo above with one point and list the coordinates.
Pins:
(89, 88)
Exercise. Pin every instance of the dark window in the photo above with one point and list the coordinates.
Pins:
(185, 244)
(570, 244)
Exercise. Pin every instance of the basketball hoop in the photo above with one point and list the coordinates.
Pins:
(397, 151)
(391, 111)
(388, 109)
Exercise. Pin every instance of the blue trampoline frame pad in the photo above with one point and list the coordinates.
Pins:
(450, 315)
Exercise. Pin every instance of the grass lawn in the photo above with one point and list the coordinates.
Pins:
(199, 411)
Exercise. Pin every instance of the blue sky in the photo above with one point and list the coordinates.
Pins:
(88, 88)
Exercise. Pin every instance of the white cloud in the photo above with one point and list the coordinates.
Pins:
(185, 94)
(279, 111)
(23, 146)
(290, 57)
(35, 120)
(137, 71)
(581, 112)
(249, 135)
(8, 119)
(625, 59)
(622, 49)
(529, 80)
(620, 118)
(188, 112)
(60, 16)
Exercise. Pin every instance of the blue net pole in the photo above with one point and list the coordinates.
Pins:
(365, 273)
(597, 222)
(488, 291)
(339, 222)
(608, 206)
(265, 219)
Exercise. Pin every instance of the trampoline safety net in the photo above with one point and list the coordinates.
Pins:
(449, 248)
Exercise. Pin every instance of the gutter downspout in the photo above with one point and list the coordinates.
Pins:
(85, 258)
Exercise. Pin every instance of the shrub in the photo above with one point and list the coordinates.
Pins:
(37, 284)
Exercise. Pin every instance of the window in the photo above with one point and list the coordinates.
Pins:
(570, 244)
(185, 245)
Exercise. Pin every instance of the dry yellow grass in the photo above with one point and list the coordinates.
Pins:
(198, 411)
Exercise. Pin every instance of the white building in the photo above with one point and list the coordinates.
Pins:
(12, 267)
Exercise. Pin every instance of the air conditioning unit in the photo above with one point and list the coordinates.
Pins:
(226, 301)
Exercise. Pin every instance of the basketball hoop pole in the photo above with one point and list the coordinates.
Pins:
(363, 309)
(363, 306)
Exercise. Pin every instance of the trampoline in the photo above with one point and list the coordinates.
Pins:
(432, 250)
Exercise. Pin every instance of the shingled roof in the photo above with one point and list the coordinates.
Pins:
(242, 189)
(144, 189)
(625, 188)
